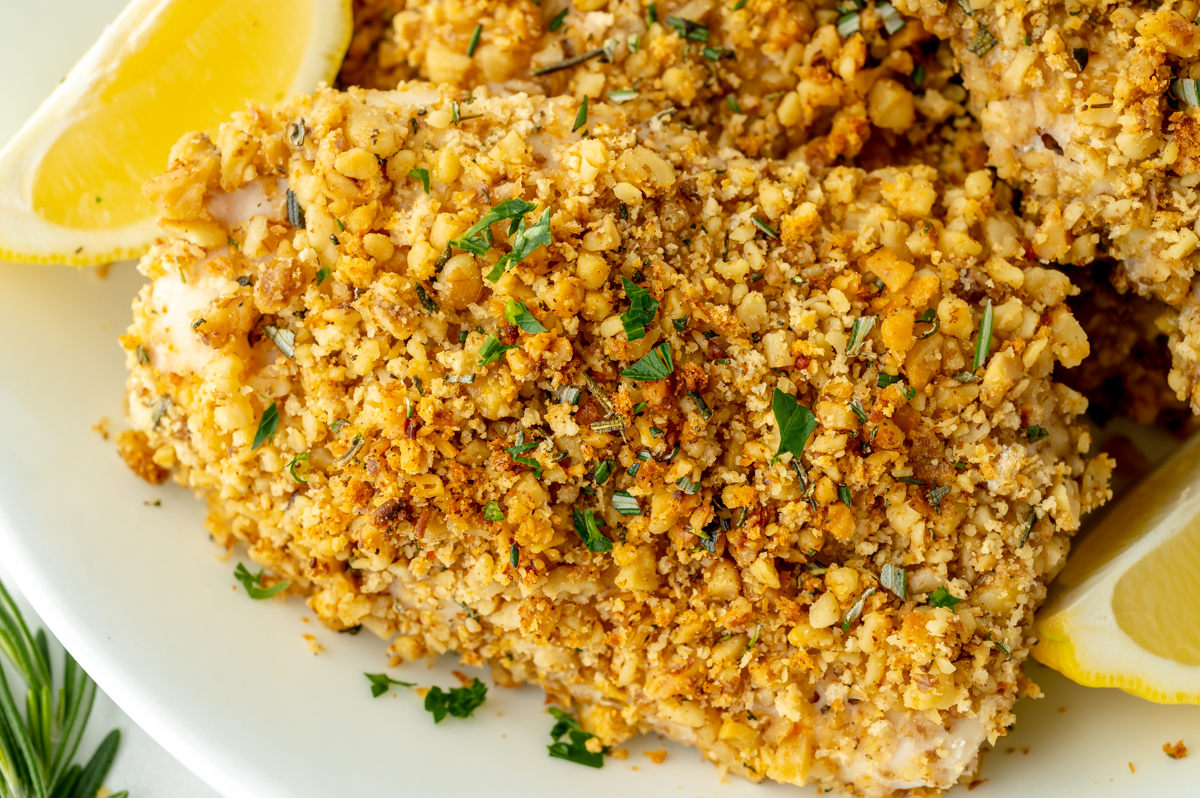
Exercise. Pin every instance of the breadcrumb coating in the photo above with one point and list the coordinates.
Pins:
(744, 608)
(1081, 106)
(772, 78)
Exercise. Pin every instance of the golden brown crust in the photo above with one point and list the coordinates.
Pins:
(718, 615)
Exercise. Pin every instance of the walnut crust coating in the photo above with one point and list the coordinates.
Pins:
(739, 650)
(772, 78)
(1076, 106)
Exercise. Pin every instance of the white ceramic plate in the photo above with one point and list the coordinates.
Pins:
(229, 686)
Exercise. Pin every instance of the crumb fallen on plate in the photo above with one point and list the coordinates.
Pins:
(153, 502)
(101, 427)
(313, 645)
(657, 756)
(1176, 751)
(1131, 768)
(975, 784)
(620, 753)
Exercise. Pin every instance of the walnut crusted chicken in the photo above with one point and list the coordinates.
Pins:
(768, 460)
(771, 78)
(1091, 108)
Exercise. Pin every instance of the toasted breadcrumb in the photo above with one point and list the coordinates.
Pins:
(743, 610)
(1176, 751)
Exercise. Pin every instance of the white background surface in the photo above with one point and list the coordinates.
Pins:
(230, 685)
(40, 41)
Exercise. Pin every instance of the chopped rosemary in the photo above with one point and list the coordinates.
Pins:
(295, 214)
(622, 95)
(983, 42)
(557, 22)
(858, 334)
(473, 45)
(701, 406)
(426, 300)
(581, 116)
(625, 504)
(605, 51)
(690, 30)
(984, 344)
(764, 227)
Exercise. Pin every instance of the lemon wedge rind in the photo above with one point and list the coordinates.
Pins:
(1079, 633)
(27, 237)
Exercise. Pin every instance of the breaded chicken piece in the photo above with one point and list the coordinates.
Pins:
(772, 78)
(766, 460)
(1082, 107)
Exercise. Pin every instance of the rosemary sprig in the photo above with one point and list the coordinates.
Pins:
(36, 749)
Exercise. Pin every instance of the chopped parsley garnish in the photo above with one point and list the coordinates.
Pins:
(858, 410)
(913, 481)
(422, 175)
(581, 116)
(557, 22)
(520, 448)
(626, 504)
(732, 104)
(492, 511)
(690, 30)
(514, 555)
(895, 580)
(253, 584)
(1081, 55)
(1001, 646)
(930, 317)
(267, 425)
(473, 45)
(942, 598)
(651, 14)
(381, 683)
(639, 407)
(461, 702)
(283, 338)
(567, 395)
(291, 467)
(517, 313)
(687, 486)
(603, 470)
(574, 748)
(701, 406)
(620, 96)
(852, 614)
(587, 526)
(478, 239)
(844, 495)
(143, 356)
(426, 300)
(984, 344)
(717, 53)
(918, 76)
(739, 5)
(338, 425)
(681, 323)
(657, 365)
(764, 227)
(295, 214)
(1034, 433)
(492, 349)
(886, 379)
(642, 310)
(795, 421)
(322, 274)
(524, 243)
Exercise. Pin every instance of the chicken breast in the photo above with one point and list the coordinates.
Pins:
(766, 458)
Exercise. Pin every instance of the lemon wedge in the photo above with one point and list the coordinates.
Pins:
(1125, 611)
(70, 181)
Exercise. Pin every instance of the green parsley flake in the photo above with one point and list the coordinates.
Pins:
(517, 313)
(574, 748)
(604, 470)
(381, 683)
(690, 30)
(422, 175)
(657, 365)
(557, 22)
(681, 323)
(642, 310)
(473, 45)
(253, 584)
(942, 598)
(587, 526)
(524, 242)
(581, 116)
(844, 495)
(267, 425)
(322, 274)
(492, 349)
(795, 421)
(460, 702)
(492, 511)
(291, 467)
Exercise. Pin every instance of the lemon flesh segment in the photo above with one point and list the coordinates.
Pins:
(1126, 610)
(70, 181)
